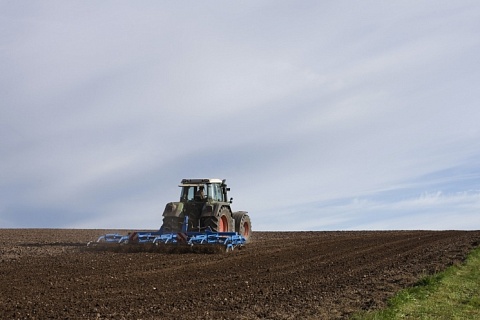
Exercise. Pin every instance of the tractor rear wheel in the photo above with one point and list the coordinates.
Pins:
(222, 222)
(243, 226)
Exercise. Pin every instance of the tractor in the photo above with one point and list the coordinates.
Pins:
(202, 218)
(205, 202)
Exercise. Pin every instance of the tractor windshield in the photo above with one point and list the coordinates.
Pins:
(194, 192)
(212, 191)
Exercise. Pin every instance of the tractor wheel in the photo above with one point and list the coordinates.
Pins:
(243, 225)
(222, 222)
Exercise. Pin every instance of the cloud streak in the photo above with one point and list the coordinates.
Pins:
(302, 107)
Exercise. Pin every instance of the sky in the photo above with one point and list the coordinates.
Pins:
(321, 115)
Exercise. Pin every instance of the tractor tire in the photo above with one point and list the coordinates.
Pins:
(243, 226)
(172, 224)
(222, 222)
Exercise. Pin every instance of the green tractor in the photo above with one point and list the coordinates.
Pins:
(205, 203)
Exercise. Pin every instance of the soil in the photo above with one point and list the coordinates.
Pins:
(49, 274)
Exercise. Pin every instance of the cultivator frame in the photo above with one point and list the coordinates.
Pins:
(228, 240)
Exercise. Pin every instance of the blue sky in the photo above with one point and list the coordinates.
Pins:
(321, 115)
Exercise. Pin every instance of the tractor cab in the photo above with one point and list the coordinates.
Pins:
(203, 190)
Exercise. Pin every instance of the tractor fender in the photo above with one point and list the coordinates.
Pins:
(173, 209)
(241, 212)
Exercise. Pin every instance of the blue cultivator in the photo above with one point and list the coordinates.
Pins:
(227, 240)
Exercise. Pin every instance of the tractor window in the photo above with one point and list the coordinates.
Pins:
(188, 193)
(212, 191)
(217, 194)
(209, 191)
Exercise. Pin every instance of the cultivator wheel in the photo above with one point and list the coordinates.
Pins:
(221, 223)
(243, 226)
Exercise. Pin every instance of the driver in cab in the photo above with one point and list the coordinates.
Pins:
(200, 195)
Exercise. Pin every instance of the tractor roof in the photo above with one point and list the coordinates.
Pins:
(194, 182)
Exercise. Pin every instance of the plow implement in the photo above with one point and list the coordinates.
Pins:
(185, 241)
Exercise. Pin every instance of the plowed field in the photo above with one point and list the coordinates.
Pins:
(48, 274)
